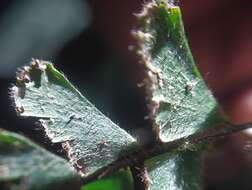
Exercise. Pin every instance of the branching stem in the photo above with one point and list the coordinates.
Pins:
(139, 156)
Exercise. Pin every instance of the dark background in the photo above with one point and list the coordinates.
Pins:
(91, 48)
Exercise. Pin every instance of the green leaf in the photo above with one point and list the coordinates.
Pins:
(26, 166)
(175, 171)
(122, 180)
(180, 101)
(91, 140)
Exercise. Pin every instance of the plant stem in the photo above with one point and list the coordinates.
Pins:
(139, 156)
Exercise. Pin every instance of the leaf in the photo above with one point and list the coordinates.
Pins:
(122, 180)
(175, 171)
(180, 101)
(25, 166)
(91, 140)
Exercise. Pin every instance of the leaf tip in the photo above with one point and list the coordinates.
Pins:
(24, 76)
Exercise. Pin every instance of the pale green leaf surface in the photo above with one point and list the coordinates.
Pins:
(175, 171)
(91, 140)
(180, 101)
(26, 166)
(121, 180)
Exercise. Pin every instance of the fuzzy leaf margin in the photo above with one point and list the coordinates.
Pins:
(90, 139)
(180, 102)
(25, 165)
